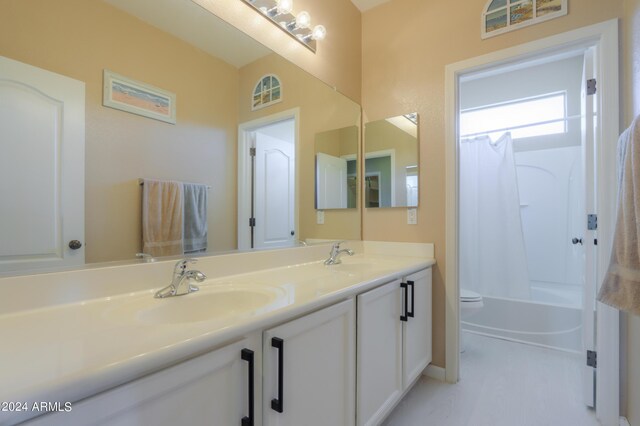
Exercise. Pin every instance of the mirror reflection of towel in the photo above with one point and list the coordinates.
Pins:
(621, 287)
(162, 218)
(195, 217)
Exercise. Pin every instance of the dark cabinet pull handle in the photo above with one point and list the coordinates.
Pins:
(278, 403)
(413, 298)
(404, 317)
(247, 355)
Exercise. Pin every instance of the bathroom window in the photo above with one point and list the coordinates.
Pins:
(268, 91)
(539, 116)
(501, 16)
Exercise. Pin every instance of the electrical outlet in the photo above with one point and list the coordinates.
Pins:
(320, 217)
(412, 216)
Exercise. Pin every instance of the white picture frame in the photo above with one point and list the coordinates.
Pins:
(138, 98)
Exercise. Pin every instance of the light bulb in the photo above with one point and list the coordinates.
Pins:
(284, 6)
(303, 20)
(319, 32)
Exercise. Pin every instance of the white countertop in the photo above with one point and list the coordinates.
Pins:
(71, 351)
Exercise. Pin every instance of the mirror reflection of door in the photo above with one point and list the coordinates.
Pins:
(41, 168)
(332, 188)
(336, 168)
(272, 187)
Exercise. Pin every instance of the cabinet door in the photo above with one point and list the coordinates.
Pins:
(309, 378)
(379, 352)
(417, 329)
(211, 389)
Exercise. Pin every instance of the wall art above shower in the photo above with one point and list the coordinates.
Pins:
(502, 16)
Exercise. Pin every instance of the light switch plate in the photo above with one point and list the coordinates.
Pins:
(320, 217)
(412, 216)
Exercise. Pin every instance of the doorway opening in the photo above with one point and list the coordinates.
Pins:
(599, 125)
(266, 182)
(522, 201)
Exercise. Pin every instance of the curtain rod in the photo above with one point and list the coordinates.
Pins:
(506, 129)
(141, 182)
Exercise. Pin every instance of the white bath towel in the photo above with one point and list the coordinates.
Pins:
(195, 217)
(621, 286)
(162, 218)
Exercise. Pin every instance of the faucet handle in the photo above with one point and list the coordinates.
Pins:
(182, 263)
(336, 244)
(146, 257)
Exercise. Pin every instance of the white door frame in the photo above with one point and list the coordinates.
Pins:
(604, 38)
(244, 169)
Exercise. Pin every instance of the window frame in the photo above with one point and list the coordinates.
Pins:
(564, 119)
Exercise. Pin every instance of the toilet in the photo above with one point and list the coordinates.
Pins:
(470, 303)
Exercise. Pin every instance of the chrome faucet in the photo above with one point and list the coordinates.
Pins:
(334, 256)
(181, 282)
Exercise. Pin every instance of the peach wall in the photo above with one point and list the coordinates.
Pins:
(337, 61)
(406, 45)
(80, 38)
(321, 109)
(631, 96)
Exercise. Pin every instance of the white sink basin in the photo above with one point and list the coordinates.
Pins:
(208, 304)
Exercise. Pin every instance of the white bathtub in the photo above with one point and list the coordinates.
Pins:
(542, 324)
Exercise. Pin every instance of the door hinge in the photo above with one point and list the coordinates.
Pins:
(252, 152)
(252, 222)
(592, 222)
(592, 359)
(592, 87)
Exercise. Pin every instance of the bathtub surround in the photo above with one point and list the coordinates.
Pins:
(621, 287)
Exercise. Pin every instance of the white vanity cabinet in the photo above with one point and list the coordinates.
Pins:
(212, 389)
(394, 343)
(309, 369)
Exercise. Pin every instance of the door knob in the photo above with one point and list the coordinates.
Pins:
(577, 241)
(75, 244)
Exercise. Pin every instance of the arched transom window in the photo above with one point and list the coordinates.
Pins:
(501, 16)
(268, 91)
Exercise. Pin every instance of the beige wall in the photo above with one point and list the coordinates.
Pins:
(321, 109)
(406, 46)
(337, 60)
(631, 98)
(80, 38)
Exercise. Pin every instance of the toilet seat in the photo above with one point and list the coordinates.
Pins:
(468, 296)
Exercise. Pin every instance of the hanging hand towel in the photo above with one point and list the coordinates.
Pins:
(162, 218)
(621, 286)
(195, 217)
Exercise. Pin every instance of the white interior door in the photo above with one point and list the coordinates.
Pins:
(589, 103)
(331, 182)
(275, 187)
(41, 168)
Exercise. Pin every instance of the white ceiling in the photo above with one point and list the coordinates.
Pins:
(198, 27)
(365, 5)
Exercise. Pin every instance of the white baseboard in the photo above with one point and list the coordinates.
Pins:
(624, 421)
(434, 372)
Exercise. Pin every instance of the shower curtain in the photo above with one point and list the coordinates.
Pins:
(493, 259)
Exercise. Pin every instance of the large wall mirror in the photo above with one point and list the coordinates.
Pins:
(337, 168)
(391, 162)
(217, 74)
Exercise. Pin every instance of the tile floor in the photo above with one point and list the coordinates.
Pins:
(502, 384)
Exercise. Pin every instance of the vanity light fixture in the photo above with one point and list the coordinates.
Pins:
(280, 12)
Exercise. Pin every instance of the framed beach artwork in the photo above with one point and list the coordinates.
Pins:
(138, 98)
(501, 16)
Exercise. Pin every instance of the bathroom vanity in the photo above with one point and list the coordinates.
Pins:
(270, 338)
